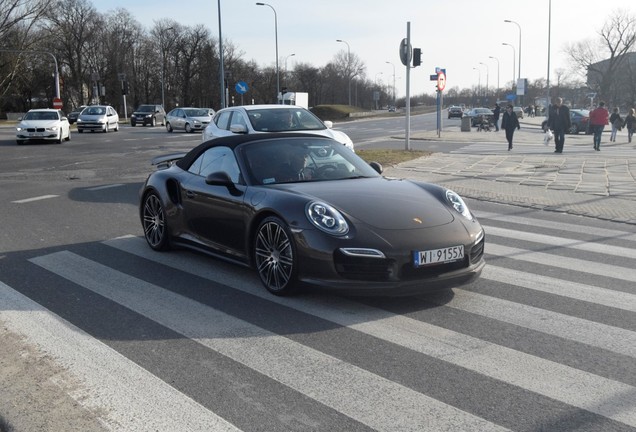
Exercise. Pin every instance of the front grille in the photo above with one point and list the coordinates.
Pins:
(362, 268)
(35, 129)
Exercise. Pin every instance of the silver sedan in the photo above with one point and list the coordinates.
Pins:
(188, 119)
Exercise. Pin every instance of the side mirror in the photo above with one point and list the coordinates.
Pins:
(328, 123)
(238, 129)
(221, 178)
(376, 166)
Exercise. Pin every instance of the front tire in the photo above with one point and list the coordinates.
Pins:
(169, 127)
(153, 122)
(154, 223)
(275, 256)
(188, 128)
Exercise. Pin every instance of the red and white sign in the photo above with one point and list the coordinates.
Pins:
(441, 81)
(57, 103)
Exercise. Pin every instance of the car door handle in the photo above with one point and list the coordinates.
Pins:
(190, 194)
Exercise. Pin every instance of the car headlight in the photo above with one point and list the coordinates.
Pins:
(196, 122)
(19, 129)
(326, 218)
(52, 128)
(458, 204)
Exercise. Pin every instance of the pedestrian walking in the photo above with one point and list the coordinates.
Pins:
(495, 116)
(509, 123)
(599, 118)
(630, 124)
(559, 123)
(617, 123)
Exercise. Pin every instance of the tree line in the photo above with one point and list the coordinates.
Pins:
(102, 55)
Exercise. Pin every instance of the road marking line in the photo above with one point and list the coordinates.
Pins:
(128, 396)
(27, 200)
(96, 188)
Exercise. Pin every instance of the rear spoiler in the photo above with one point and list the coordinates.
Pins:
(166, 161)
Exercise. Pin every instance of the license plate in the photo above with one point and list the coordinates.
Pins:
(438, 256)
(36, 134)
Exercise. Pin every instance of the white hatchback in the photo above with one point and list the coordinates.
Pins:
(250, 119)
(43, 125)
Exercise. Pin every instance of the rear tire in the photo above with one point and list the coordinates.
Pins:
(154, 223)
(169, 127)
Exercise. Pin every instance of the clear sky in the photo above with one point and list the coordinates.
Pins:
(457, 35)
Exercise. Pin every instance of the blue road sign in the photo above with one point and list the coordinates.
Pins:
(241, 87)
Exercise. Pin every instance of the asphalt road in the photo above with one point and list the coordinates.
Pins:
(123, 338)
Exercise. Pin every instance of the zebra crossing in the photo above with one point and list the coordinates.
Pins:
(544, 340)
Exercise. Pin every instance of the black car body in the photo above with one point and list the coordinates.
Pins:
(73, 115)
(148, 115)
(346, 228)
(455, 111)
(479, 115)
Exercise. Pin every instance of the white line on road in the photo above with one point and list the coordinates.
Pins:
(130, 397)
(27, 200)
(97, 188)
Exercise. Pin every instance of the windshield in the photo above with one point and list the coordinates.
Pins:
(284, 119)
(146, 108)
(195, 112)
(41, 115)
(302, 159)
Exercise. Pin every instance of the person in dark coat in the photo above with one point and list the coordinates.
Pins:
(509, 123)
(495, 117)
(559, 123)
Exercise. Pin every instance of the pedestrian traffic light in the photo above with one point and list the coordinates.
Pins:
(417, 57)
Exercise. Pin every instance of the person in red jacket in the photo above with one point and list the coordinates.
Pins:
(599, 118)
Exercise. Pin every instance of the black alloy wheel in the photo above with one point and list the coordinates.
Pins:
(274, 255)
(154, 223)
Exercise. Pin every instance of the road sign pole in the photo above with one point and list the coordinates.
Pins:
(407, 143)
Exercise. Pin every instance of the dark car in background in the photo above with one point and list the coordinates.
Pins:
(478, 115)
(580, 121)
(73, 115)
(148, 115)
(455, 111)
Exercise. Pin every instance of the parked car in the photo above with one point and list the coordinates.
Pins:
(43, 125)
(580, 121)
(303, 209)
(519, 111)
(188, 119)
(477, 115)
(101, 118)
(148, 115)
(73, 115)
(250, 119)
(455, 111)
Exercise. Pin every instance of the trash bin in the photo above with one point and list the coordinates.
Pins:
(465, 124)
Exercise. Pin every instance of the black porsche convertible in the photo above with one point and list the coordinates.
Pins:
(305, 210)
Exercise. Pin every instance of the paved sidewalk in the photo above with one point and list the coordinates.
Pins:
(579, 181)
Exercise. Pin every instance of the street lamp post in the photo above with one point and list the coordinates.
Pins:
(514, 58)
(487, 74)
(221, 66)
(291, 55)
(57, 72)
(497, 72)
(276, 36)
(393, 81)
(348, 65)
(478, 82)
(519, 27)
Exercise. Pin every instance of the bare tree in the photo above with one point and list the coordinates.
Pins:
(602, 59)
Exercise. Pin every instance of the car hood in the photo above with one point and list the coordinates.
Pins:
(87, 117)
(379, 202)
(38, 123)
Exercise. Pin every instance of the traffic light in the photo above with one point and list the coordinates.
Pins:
(417, 57)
